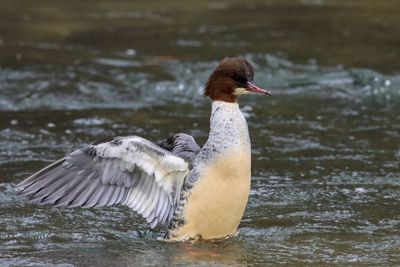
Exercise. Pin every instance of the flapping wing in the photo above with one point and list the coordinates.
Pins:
(127, 170)
(182, 145)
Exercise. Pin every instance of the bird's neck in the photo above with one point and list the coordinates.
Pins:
(228, 125)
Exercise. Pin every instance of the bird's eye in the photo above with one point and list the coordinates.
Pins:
(239, 79)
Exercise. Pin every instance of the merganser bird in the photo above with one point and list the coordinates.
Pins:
(201, 193)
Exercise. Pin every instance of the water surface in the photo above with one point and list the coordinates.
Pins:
(326, 146)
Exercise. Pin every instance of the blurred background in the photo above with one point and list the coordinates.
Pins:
(326, 146)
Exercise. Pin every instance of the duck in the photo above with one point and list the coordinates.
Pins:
(197, 193)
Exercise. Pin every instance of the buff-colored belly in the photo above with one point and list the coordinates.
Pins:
(218, 200)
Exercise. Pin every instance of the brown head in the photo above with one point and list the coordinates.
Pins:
(232, 77)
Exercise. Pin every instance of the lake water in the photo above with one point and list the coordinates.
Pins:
(326, 145)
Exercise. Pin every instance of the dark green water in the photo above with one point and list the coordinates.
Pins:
(326, 146)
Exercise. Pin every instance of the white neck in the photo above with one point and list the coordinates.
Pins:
(222, 104)
(228, 125)
(228, 129)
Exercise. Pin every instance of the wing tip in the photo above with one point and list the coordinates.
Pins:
(37, 175)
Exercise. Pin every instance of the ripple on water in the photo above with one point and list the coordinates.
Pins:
(87, 86)
(325, 158)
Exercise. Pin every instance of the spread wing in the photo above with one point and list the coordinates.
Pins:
(127, 170)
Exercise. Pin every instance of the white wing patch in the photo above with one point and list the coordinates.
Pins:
(168, 170)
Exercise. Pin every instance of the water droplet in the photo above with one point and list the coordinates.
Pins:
(360, 190)
(43, 131)
(130, 52)
(346, 191)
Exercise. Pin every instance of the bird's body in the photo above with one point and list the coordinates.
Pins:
(217, 187)
(201, 193)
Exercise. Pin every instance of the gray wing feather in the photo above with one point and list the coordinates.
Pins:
(32, 179)
(109, 190)
(114, 195)
(141, 192)
(130, 171)
(164, 211)
(182, 145)
(147, 207)
(65, 196)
